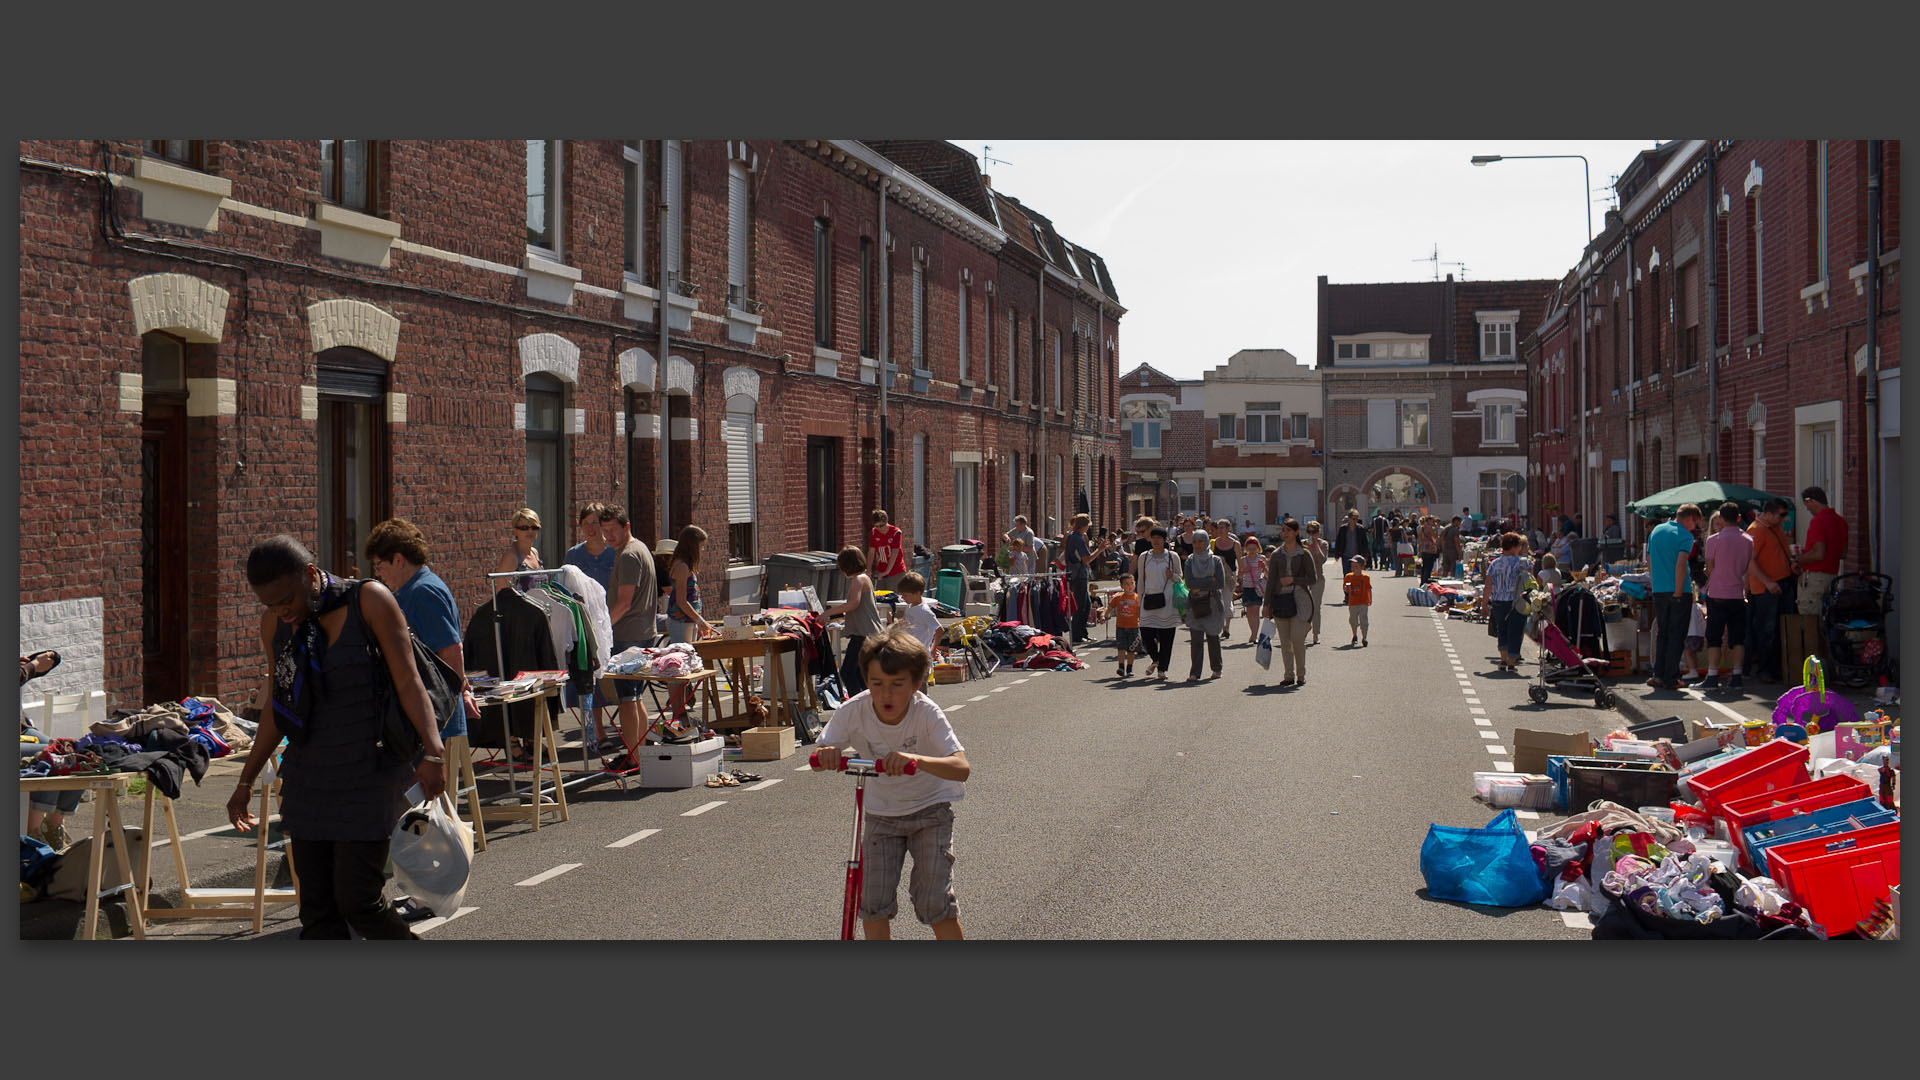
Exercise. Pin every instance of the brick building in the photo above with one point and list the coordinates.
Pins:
(1261, 412)
(1426, 398)
(1165, 443)
(245, 337)
(1727, 325)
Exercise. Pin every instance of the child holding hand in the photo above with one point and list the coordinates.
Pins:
(1359, 590)
(1125, 607)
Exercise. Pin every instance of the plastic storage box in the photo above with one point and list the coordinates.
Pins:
(1741, 814)
(1837, 878)
(1824, 822)
(1627, 782)
(1779, 764)
(679, 765)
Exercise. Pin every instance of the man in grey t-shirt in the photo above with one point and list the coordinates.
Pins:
(632, 605)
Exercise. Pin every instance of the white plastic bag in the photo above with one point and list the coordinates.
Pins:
(1263, 648)
(432, 852)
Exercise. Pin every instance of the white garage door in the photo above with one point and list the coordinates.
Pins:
(1240, 506)
(1299, 498)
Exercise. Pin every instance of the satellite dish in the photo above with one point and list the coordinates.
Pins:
(1516, 484)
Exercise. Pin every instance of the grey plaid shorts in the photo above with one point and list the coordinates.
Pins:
(929, 835)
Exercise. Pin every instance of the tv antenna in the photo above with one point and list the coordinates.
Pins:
(987, 158)
(1439, 262)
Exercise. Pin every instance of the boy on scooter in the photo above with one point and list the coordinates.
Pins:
(893, 723)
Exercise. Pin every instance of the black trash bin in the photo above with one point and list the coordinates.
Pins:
(832, 584)
(1586, 551)
(964, 557)
(793, 569)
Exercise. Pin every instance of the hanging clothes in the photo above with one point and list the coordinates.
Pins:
(526, 644)
(594, 599)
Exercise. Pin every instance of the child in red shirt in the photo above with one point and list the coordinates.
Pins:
(1126, 620)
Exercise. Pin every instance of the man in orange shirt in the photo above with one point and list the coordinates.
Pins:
(1769, 589)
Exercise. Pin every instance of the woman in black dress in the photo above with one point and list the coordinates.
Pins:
(341, 792)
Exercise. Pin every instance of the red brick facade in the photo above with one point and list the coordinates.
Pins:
(472, 327)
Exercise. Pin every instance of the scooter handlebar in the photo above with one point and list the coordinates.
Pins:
(813, 759)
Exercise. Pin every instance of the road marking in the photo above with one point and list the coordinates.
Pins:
(1531, 834)
(1503, 766)
(1699, 695)
(1527, 815)
(1476, 710)
(1489, 734)
(1473, 701)
(806, 768)
(1576, 920)
(548, 875)
(1001, 689)
(982, 697)
(761, 785)
(1017, 682)
(634, 839)
(439, 921)
(698, 810)
(1496, 749)
(1483, 721)
(195, 835)
(954, 708)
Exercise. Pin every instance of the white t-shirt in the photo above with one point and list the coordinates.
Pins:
(921, 621)
(923, 730)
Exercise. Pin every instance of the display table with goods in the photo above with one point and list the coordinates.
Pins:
(1681, 830)
(547, 793)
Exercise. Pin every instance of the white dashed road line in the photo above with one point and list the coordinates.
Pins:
(1490, 734)
(762, 785)
(438, 921)
(1483, 721)
(1497, 750)
(982, 697)
(1503, 766)
(698, 810)
(548, 875)
(634, 839)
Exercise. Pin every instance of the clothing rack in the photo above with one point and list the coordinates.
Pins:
(1029, 577)
(500, 661)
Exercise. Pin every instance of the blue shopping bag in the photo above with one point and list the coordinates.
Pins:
(1492, 865)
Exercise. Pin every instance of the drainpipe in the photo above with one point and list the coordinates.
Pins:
(660, 369)
(1633, 396)
(1874, 238)
(1586, 470)
(886, 357)
(1040, 430)
(1714, 464)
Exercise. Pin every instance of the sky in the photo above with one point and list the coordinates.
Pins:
(1214, 247)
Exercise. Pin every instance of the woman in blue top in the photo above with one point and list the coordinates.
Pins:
(1503, 585)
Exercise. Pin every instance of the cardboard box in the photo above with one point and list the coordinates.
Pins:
(1531, 748)
(679, 765)
(950, 673)
(766, 743)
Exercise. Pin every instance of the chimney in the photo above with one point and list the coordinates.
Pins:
(987, 180)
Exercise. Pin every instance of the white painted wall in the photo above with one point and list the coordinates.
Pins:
(74, 629)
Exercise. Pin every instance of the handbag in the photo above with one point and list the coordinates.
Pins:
(1202, 606)
(1285, 606)
(1491, 865)
(399, 741)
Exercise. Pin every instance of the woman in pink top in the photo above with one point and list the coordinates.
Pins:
(1728, 552)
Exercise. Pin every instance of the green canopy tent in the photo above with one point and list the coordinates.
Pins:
(1707, 495)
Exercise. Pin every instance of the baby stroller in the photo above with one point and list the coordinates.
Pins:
(1573, 647)
(1853, 620)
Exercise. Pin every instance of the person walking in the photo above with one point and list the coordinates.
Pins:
(1429, 547)
(341, 793)
(1253, 583)
(1317, 548)
(1382, 550)
(1668, 546)
(1207, 579)
(1729, 555)
(1450, 547)
(1291, 572)
(1505, 576)
(1819, 561)
(1225, 546)
(1156, 570)
(1770, 591)
(1359, 590)
(1350, 540)
(521, 554)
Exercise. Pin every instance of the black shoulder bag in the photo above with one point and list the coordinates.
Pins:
(399, 740)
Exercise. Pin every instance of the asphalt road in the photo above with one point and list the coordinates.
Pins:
(1098, 809)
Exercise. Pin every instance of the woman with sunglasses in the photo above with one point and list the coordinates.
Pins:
(522, 554)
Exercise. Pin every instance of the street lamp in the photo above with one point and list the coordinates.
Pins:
(1587, 201)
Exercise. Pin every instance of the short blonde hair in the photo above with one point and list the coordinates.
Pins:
(526, 516)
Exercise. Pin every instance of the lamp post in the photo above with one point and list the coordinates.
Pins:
(1586, 174)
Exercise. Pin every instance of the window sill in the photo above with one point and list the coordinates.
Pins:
(1143, 454)
(742, 325)
(354, 236)
(1813, 292)
(968, 384)
(680, 311)
(641, 300)
(549, 279)
(178, 195)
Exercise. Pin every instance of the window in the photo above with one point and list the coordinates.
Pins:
(1348, 351)
(189, 152)
(1229, 426)
(866, 297)
(1034, 336)
(962, 308)
(1189, 497)
(1413, 423)
(349, 169)
(1059, 398)
(353, 452)
(823, 493)
(1383, 349)
(673, 231)
(1496, 422)
(1380, 424)
(823, 282)
(1146, 435)
(919, 316)
(738, 435)
(547, 463)
(1145, 419)
(1689, 469)
(966, 502)
(1687, 318)
(1756, 281)
(987, 340)
(543, 196)
(1496, 335)
(1265, 423)
(1760, 459)
(1818, 234)
(1013, 363)
(1656, 325)
(1299, 426)
(920, 488)
(738, 247)
(1496, 499)
(634, 152)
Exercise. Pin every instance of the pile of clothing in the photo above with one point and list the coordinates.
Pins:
(1023, 646)
(670, 662)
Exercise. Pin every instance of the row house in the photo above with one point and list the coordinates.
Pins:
(1737, 319)
(1263, 440)
(1166, 444)
(1425, 395)
(254, 336)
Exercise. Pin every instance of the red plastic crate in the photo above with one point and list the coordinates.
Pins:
(1778, 764)
(1837, 878)
(1785, 802)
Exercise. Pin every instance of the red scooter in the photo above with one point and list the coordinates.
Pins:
(859, 769)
